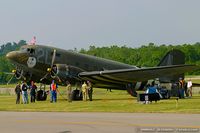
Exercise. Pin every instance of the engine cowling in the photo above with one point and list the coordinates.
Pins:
(64, 71)
(18, 73)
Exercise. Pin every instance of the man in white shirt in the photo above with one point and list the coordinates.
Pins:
(189, 86)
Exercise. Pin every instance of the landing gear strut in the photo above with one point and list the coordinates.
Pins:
(131, 90)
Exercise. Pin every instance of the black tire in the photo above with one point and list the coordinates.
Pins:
(77, 95)
(41, 95)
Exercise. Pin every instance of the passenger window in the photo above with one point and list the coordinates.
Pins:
(57, 54)
(86, 66)
(77, 64)
(95, 68)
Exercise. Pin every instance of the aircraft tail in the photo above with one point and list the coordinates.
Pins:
(173, 57)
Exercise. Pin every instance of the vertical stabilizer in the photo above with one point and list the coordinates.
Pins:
(173, 57)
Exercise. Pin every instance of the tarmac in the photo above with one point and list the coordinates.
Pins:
(77, 122)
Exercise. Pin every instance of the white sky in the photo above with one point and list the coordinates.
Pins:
(80, 23)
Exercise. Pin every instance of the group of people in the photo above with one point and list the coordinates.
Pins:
(86, 91)
(184, 88)
(22, 89)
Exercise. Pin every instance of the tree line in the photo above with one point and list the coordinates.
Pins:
(147, 55)
(5, 65)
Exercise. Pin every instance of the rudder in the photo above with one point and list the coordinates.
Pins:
(173, 57)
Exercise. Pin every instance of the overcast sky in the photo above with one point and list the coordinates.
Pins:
(80, 23)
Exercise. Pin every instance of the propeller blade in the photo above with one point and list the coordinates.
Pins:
(10, 79)
(59, 80)
(8, 73)
(56, 76)
(53, 58)
(45, 76)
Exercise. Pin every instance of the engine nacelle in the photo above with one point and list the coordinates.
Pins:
(18, 73)
(65, 71)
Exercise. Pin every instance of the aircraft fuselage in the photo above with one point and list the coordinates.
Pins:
(35, 59)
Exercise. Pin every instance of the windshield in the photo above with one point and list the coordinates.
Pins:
(28, 50)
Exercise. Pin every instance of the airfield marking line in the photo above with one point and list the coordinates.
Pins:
(64, 122)
(106, 123)
(163, 125)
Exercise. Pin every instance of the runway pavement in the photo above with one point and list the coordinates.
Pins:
(76, 122)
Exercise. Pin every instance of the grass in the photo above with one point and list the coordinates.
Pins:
(195, 79)
(104, 101)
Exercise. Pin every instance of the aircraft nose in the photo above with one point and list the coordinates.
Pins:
(17, 57)
(11, 55)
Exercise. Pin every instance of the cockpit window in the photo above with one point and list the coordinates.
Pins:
(23, 49)
(32, 51)
(28, 50)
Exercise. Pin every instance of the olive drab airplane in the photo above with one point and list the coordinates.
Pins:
(43, 63)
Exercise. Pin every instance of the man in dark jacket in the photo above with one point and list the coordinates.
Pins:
(181, 87)
(18, 92)
(33, 89)
(90, 90)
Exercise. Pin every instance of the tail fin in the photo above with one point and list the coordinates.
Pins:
(173, 57)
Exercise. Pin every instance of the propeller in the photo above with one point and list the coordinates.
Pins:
(56, 76)
(50, 70)
(10, 79)
(10, 73)
(14, 73)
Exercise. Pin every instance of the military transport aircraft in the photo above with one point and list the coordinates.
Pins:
(43, 63)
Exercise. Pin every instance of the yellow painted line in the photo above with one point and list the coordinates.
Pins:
(111, 123)
(163, 125)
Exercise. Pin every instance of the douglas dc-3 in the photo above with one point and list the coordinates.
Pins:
(43, 63)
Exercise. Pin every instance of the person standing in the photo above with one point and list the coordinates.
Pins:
(24, 92)
(18, 93)
(90, 90)
(69, 91)
(109, 89)
(33, 89)
(189, 86)
(53, 88)
(84, 91)
(181, 88)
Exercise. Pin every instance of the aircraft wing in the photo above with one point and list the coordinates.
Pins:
(140, 74)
